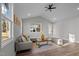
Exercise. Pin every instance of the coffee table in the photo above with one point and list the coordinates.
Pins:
(33, 39)
(42, 43)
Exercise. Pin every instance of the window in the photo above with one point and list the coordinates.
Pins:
(5, 29)
(6, 10)
(50, 29)
(71, 37)
(6, 23)
(35, 28)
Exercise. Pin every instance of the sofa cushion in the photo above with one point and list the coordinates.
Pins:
(19, 39)
(24, 39)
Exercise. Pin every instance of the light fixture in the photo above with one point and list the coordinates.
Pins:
(29, 14)
(78, 8)
(50, 7)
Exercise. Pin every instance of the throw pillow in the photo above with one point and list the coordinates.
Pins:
(19, 39)
(24, 39)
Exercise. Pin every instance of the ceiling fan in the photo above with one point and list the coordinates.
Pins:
(50, 7)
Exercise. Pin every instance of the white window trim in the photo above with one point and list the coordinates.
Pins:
(9, 40)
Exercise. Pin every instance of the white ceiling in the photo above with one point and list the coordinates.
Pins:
(63, 10)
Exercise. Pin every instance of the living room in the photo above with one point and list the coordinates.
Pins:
(56, 25)
(40, 29)
(34, 25)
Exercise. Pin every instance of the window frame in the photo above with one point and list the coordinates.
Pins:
(10, 20)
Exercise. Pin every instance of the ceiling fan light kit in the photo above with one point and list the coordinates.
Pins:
(50, 7)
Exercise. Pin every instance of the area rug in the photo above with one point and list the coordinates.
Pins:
(45, 48)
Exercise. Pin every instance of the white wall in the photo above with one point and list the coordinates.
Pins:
(17, 31)
(36, 20)
(18, 28)
(62, 28)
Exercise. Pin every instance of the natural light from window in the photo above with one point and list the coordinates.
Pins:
(71, 37)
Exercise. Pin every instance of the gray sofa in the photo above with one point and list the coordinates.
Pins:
(21, 44)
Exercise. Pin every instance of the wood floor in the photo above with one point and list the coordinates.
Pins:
(71, 49)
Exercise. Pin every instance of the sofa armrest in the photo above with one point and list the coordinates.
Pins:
(24, 42)
(23, 46)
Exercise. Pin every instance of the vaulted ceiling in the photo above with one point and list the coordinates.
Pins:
(62, 11)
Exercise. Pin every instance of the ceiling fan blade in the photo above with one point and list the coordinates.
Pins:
(50, 7)
(52, 4)
(53, 8)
